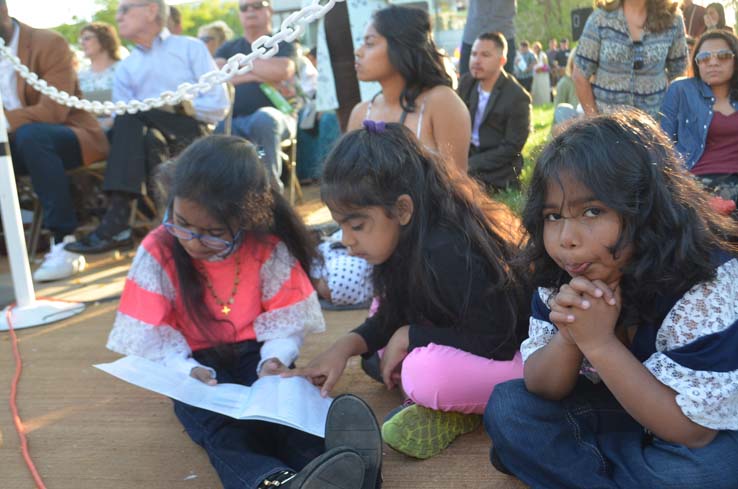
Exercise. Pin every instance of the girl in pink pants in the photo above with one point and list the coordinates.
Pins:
(452, 311)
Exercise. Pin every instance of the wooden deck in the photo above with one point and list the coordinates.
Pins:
(88, 430)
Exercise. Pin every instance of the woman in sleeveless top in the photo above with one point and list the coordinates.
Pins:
(399, 53)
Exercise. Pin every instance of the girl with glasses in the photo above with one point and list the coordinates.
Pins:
(700, 115)
(221, 292)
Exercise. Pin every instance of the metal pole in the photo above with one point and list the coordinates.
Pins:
(12, 223)
(27, 311)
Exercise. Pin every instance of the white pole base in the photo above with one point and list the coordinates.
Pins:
(38, 313)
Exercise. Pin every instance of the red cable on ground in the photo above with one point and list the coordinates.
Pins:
(14, 407)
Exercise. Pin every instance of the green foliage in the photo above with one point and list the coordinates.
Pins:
(196, 15)
(193, 16)
(541, 20)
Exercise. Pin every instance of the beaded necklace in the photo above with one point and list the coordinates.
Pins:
(225, 305)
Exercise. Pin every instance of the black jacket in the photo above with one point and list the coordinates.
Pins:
(503, 132)
(486, 322)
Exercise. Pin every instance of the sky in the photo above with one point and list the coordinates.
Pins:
(50, 13)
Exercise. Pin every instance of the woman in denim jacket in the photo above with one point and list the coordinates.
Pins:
(700, 114)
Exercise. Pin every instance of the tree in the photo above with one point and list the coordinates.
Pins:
(541, 20)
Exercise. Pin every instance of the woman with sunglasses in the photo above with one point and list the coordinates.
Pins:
(221, 292)
(628, 53)
(700, 114)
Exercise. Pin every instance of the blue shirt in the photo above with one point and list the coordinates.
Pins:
(686, 116)
(171, 61)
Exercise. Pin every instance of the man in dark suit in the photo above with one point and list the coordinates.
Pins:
(500, 110)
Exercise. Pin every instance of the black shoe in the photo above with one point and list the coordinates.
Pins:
(340, 468)
(94, 243)
(351, 423)
(370, 366)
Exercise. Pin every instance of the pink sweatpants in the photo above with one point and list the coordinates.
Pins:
(448, 379)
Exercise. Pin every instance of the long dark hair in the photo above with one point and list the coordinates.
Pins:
(370, 169)
(224, 175)
(629, 165)
(411, 51)
(732, 41)
(721, 14)
(659, 13)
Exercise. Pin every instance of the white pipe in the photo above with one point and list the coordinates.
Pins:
(15, 241)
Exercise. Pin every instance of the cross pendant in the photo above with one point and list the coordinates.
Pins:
(225, 309)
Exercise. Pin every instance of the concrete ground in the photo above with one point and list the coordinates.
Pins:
(88, 430)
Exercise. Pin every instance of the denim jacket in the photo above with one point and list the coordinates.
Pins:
(686, 115)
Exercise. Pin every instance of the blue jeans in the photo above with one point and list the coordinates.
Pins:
(244, 453)
(45, 151)
(266, 128)
(589, 441)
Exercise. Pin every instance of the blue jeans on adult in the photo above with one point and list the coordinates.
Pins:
(45, 151)
(588, 441)
(242, 452)
(266, 128)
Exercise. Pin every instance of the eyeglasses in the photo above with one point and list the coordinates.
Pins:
(245, 7)
(206, 39)
(704, 57)
(86, 38)
(185, 234)
(638, 60)
(123, 9)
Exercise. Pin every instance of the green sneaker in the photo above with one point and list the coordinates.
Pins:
(422, 433)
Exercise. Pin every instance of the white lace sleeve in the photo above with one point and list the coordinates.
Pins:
(540, 331)
(284, 349)
(162, 344)
(299, 317)
(696, 354)
(148, 293)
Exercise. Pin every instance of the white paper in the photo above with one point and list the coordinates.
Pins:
(293, 402)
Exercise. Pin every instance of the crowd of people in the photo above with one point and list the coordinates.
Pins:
(624, 359)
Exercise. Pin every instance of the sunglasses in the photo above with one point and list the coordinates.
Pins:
(704, 57)
(638, 60)
(212, 242)
(245, 7)
(123, 9)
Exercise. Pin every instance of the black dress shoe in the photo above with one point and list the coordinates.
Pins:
(339, 468)
(94, 243)
(351, 423)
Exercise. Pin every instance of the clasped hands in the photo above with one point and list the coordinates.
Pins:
(586, 313)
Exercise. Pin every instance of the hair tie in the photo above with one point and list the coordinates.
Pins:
(376, 127)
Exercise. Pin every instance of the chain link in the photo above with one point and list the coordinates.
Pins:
(264, 47)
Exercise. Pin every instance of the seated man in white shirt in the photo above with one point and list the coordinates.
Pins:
(159, 62)
(500, 110)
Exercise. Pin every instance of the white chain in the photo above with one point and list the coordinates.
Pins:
(264, 47)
